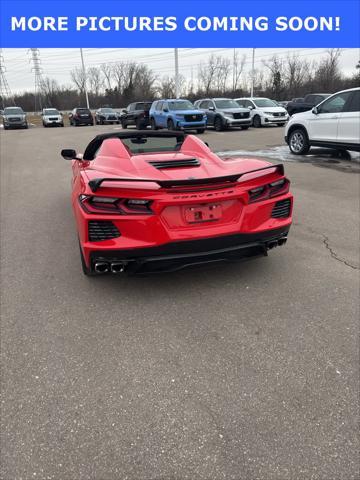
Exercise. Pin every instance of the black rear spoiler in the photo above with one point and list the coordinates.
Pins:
(96, 182)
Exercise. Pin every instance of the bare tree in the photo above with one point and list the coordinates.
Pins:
(213, 74)
(238, 68)
(78, 77)
(95, 80)
(107, 72)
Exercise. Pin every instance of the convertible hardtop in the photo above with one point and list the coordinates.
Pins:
(96, 143)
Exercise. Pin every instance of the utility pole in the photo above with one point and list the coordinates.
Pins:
(5, 92)
(252, 73)
(177, 81)
(36, 68)
(234, 70)
(85, 78)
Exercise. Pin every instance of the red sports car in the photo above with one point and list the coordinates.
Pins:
(148, 202)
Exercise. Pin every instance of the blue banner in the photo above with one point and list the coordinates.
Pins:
(133, 24)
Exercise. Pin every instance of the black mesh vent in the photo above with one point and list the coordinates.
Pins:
(238, 115)
(196, 117)
(102, 230)
(190, 162)
(281, 209)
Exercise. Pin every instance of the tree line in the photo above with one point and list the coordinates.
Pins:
(120, 83)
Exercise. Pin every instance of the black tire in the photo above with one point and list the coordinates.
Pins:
(170, 124)
(257, 121)
(139, 124)
(299, 142)
(200, 130)
(26, 126)
(97, 121)
(44, 125)
(245, 128)
(123, 125)
(6, 128)
(218, 124)
(153, 124)
(61, 124)
(86, 271)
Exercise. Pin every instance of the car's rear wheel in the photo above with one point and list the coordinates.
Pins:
(298, 142)
(153, 124)
(200, 130)
(139, 124)
(244, 128)
(257, 121)
(218, 124)
(123, 125)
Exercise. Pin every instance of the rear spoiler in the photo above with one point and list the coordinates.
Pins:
(96, 182)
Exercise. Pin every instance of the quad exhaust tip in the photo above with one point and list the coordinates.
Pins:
(275, 243)
(101, 267)
(117, 267)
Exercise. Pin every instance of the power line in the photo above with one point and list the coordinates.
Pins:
(5, 92)
(36, 68)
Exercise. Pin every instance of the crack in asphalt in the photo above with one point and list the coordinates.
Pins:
(335, 256)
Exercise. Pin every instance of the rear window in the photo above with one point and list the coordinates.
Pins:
(143, 106)
(153, 144)
(83, 110)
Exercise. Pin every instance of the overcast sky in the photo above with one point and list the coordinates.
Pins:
(57, 63)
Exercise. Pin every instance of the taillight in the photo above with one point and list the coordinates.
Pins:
(273, 189)
(117, 206)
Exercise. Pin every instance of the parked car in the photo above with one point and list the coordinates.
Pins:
(81, 116)
(335, 123)
(283, 103)
(146, 202)
(106, 115)
(222, 113)
(264, 111)
(136, 114)
(307, 103)
(176, 114)
(14, 117)
(52, 117)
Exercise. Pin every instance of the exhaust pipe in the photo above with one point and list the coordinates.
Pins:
(282, 241)
(117, 267)
(101, 267)
(272, 244)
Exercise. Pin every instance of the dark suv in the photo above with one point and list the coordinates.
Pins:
(223, 113)
(307, 103)
(81, 116)
(136, 114)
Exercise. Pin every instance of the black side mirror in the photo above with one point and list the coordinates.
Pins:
(69, 154)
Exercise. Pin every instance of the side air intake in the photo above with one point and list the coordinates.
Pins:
(281, 209)
(102, 230)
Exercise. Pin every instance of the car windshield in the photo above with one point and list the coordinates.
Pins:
(226, 103)
(51, 111)
(143, 106)
(107, 110)
(180, 105)
(264, 102)
(13, 111)
(146, 144)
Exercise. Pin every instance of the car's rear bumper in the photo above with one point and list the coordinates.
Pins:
(183, 254)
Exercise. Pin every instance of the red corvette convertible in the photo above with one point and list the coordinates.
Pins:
(148, 202)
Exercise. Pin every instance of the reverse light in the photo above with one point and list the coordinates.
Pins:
(274, 189)
(111, 205)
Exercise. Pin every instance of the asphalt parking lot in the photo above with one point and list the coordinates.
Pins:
(243, 372)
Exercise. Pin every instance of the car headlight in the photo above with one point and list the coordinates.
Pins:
(179, 115)
(268, 113)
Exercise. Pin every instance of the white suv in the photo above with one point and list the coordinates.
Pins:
(264, 111)
(52, 116)
(334, 123)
